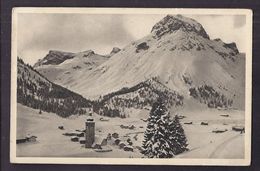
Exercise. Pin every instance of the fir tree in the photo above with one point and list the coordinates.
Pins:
(177, 136)
(150, 130)
(163, 138)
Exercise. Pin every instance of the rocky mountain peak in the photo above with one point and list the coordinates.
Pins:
(172, 23)
(231, 45)
(88, 53)
(54, 57)
(114, 51)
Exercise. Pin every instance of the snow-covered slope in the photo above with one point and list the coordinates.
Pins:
(54, 57)
(60, 67)
(36, 91)
(179, 52)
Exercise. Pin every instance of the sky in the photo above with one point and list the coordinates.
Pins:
(37, 33)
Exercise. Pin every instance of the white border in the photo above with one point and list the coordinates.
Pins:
(133, 161)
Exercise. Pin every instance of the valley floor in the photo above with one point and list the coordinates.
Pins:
(203, 143)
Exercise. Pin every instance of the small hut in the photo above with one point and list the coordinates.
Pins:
(204, 123)
(117, 141)
(61, 127)
(219, 131)
(128, 148)
(81, 134)
(131, 127)
(121, 145)
(115, 135)
(82, 140)
(238, 128)
(31, 138)
(74, 139)
(20, 140)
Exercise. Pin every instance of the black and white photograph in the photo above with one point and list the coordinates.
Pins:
(131, 86)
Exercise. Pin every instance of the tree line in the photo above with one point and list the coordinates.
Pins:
(139, 96)
(208, 95)
(39, 93)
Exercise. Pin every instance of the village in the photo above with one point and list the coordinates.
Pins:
(93, 135)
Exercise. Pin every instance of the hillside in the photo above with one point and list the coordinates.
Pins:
(140, 96)
(36, 91)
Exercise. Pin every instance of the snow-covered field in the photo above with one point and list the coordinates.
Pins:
(51, 142)
(202, 142)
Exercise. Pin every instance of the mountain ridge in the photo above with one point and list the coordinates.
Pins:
(56, 57)
(177, 49)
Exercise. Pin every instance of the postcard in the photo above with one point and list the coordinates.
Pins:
(134, 86)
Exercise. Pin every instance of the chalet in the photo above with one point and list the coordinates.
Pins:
(219, 131)
(20, 140)
(123, 126)
(70, 134)
(82, 140)
(225, 115)
(74, 139)
(128, 148)
(31, 138)
(127, 126)
(238, 128)
(204, 123)
(121, 145)
(115, 135)
(61, 127)
(81, 134)
(117, 141)
(28, 138)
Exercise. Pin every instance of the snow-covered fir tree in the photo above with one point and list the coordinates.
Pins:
(177, 136)
(163, 137)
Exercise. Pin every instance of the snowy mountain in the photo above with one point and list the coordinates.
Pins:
(54, 58)
(60, 67)
(36, 91)
(178, 52)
